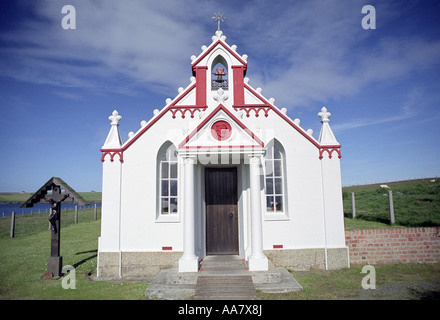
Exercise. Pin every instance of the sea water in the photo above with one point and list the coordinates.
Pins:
(6, 209)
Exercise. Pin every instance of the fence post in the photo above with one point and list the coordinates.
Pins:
(353, 205)
(94, 212)
(76, 214)
(390, 196)
(12, 233)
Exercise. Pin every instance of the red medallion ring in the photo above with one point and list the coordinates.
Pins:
(221, 130)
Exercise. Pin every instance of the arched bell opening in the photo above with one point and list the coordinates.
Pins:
(219, 77)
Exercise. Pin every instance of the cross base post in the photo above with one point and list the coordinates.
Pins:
(55, 265)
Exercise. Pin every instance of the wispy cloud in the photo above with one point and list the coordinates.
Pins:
(406, 111)
(321, 52)
(301, 53)
(116, 47)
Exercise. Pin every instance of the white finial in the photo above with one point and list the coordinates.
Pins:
(115, 118)
(324, 115)
(219, 17)
(326, 136)
(113, 138)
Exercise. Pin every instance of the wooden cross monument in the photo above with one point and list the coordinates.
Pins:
(56, 185)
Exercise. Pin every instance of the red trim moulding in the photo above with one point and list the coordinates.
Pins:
(212, 46)
(223, 147)
(238, 72)
(165, 110)
(202, 96)
(280, 114)
(112, 153)
(255, 107)
(330, 150)
(201, 76)
(183, 109)
(221, 107)
(200, 87)
(184, 94)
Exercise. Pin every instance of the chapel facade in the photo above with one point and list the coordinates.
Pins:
(220, 170)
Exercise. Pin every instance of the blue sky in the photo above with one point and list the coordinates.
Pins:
(58, 87)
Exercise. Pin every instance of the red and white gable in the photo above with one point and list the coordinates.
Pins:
(206, 99)
(222, 130)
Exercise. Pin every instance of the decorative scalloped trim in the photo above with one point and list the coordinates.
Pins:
(330, 150)
(112, 154)
(183, 110)
(256, 109)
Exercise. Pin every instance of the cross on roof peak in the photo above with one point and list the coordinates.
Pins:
(219, 17)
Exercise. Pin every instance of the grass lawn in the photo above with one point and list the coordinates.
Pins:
(24, 260)
(354, 224)
(393, 282)
(416, 202)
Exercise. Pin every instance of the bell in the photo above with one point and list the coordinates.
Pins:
(220, 72)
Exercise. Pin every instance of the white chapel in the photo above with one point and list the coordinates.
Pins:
(220, 170)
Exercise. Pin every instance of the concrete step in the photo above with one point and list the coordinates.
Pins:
(225, 288)
(217, 279)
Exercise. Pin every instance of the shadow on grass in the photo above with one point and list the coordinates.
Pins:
(76, 265)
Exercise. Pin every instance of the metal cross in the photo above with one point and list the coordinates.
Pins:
(219, 17)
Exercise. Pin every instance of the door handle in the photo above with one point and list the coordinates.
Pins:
(231, 214)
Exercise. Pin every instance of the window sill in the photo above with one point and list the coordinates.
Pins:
(272, 216)
(168, 218)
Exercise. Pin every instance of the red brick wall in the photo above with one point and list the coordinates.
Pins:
(394, 245)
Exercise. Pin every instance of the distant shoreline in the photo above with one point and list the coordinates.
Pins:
(20, 202)
(20, 197)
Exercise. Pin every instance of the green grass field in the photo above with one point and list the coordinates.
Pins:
(416, 202)
(23, 259)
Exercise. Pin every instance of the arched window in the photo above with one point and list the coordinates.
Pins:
(274, 179)
(219, 77)
(168, 180)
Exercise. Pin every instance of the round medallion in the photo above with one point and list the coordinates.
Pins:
(221, 130)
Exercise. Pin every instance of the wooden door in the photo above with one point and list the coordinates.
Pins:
(221, 211)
